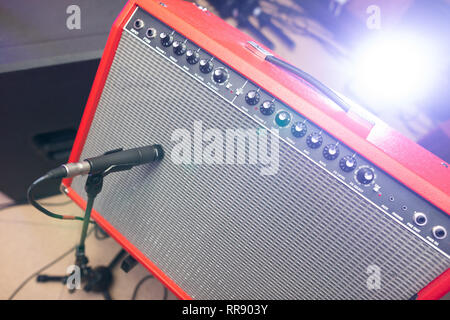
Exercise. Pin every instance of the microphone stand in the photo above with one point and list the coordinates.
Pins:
(96, 279)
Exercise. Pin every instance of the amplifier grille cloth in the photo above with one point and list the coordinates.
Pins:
(225, 231)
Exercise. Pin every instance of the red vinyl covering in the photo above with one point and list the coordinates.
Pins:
(400, 157)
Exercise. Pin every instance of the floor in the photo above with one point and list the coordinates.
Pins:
(30, 240)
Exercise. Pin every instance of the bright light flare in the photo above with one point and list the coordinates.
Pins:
(394, 69)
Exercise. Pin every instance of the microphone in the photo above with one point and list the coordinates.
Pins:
(131, 157)
(119, 159)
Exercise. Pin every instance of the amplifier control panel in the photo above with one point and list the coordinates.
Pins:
(340, 161)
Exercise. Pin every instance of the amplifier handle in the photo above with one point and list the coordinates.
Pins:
(436, 289)
(359, 120)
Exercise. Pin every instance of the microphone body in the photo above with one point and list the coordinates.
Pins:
(131, 157)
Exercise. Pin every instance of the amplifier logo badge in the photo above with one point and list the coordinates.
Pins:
(231, 147)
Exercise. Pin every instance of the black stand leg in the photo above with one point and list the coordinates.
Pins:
(97, 279)
(100, 278)
(46, 278)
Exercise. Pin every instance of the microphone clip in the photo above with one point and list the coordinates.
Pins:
(114, 168)
(94, 182)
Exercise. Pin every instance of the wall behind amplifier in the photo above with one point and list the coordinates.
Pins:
(46, 73)
(40, 111)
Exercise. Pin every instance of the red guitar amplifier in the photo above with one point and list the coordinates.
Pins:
(267, 190)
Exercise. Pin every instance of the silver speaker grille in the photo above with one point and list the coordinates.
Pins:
(225, 231)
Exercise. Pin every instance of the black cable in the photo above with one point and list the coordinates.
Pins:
(35, 204)
(139, 284)
(311, 80)
(65, 254)
(56, 204)
(304, 31)
(100, 234)
(22, 202)
(288, 16)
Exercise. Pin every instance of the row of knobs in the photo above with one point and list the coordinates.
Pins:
(220, 75)
(364, 175)
(330, 152)
(314, 140)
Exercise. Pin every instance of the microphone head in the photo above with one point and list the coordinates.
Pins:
(152, 153)
(127, 158)
(159, 151)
